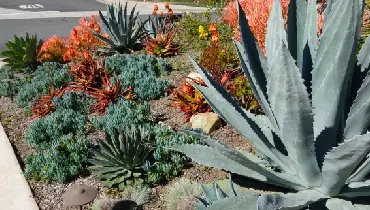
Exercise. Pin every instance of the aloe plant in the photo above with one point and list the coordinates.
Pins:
(119, 160)
(124, 31)
(22, 52)
(317, 110)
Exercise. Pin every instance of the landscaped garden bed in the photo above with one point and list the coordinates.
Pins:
(118, 105)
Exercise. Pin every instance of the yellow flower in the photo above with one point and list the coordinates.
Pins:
(202, 33)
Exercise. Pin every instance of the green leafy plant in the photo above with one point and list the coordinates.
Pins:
(140, 194)
(61, 148)
(141, 72)
(39, 82)
(22, 52)
(9, 82)
(119, 160)
(123, 30)
(181, 195)
(121, 114)
(315, 128)
(164, 163)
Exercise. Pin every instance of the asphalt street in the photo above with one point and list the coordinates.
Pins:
(44, 28)
(53, 5)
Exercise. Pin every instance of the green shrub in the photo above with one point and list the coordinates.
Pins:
(41, 133)
(39, 83)
(166, 163)
(7, 74)
(65, 158)
(123, 113)
(140, 72)
(188, 31)
(78, 102)
(61, 146)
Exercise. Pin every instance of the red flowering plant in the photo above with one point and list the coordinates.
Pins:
(257, 12)
(189, 100)
(160, 41)
(108, 93)
(44, 104)
(53, 50)
(81, 43)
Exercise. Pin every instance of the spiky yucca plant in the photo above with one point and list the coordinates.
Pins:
(119, 160)
(124, 31)
(317, 111)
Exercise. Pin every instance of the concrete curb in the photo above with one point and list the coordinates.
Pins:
(15, 193)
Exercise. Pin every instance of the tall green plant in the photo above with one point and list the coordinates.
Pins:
(124, 31)
(317, 111)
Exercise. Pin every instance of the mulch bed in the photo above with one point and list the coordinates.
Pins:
(48, 195)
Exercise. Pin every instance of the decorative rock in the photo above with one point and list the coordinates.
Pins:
(207, 122)
(194, 75)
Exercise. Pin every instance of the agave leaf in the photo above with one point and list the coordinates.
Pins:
(332, 66)
(104, 170)
(245, 201)
(291, 201)
(245, 126)
(236, 163)
(356, 189)
(363, 56)
(339, 204)
(295, 29)
(359, 116)
(310, 30)
(253, 64)
(275, 33)
(361, 172)
(293, 112)
(105, 26)
(342, 161)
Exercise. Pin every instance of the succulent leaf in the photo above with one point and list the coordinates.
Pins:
(295, 29)
(291, 201)
(333, 64)
(310, 30)
(245, 201)
(339, 204)
(342, 161)
(356, 189)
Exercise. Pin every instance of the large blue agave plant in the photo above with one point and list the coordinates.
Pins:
(316, 106)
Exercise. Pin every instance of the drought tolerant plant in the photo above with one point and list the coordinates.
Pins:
(44, 104)
(39, 82)
(124, 31)
(213, 194)
(81, 44)
(141, 72)
(61, 148)
(181, 195)
(53, 50)
(189, 100)
(315, 128)
(160, 41)
(9, 82)
(164, 163)
(119, 160)
(110, 92)
(121, 114)
(22, 52)
(139, 193)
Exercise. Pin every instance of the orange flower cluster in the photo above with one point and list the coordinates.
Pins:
(81, 42)
(257, 12)
(53, 49)
(166, 6)
(214, 33)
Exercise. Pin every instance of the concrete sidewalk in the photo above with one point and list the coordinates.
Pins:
(15, 193)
